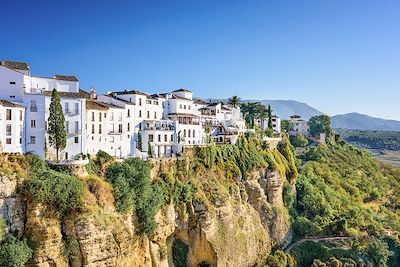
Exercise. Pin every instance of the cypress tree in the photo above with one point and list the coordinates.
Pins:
(56, 129)
(139, 142)
(270, 117)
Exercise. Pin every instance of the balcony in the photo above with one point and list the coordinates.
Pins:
(161, 125)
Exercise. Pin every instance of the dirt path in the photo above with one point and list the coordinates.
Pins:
(316, 239)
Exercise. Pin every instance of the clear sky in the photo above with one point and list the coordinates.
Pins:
(336, 55)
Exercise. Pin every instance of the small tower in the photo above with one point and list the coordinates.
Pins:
(92, 93)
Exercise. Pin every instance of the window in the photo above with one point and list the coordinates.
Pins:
(67, 126)
(172, 138)
(76, 126)
(105, 114)
(159, 138)
(12, 82)
(92, 128)
(8, 129)
(188, 133)
(155, 102)
(129, 113)
(155, 115)
(33, 123)
(184, 106)
(129, 127)
(140, 113)
(140, 101)
(165, 138)
(8, 114)
(148, 114)
(194, 133)
(21, 117)
(100, 116)
(151, 138)
(76, 139)
(180, 106)
(92, 115)
(184, 133)
(8, 141)
(33, 106)
(32, 140)
(66, 105)
(76, 108)
(189, 107)
(99, 128)
(148, 101)
(120, 128)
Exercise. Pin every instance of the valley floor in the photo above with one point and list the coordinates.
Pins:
(386, 156)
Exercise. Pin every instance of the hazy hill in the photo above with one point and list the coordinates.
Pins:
(286, 108)
(359, 121)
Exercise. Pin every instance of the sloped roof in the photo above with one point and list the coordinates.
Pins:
(14, 65)
(6, 103)
(91, 104)
(70, 78)
(183, 115)
(129, 92)
(80, 94)
(182, 90)
(180, 97)
(113, 95)
(200, 102)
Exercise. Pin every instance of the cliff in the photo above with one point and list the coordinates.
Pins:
(231, 220)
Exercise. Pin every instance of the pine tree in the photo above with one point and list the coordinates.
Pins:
(56, 129)
(270, 117)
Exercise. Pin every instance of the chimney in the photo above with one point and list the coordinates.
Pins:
(92, 93)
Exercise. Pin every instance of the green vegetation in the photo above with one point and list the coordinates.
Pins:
(139, 142)
(234, 101)
(56, 129)
(299, 140)
(278, 259)
(134, 191)
(320, 124)
(372, 139)
(180, 253)
(13, 252)
(100, 163)
(72, 250)
(60, 192)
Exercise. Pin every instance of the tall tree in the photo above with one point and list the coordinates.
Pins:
(320, 124)
(269, 117)
(56, 129)
(234, 101)
(251, 111)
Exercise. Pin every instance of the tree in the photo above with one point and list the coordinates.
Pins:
(285, 126)
(299, 141)
(378, 252)
(234, 101)
(150, 150)
(252, 111)
(320, 124)
(269, 111)
(139, 141)
(56, 130)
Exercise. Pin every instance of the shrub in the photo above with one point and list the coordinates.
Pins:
(3, 226)
(134, 191)
(299, 141)
(14, 253)
(62, 193)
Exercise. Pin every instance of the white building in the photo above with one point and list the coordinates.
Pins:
(276, 124)
(34, 93)
(298, 126)
(12, 118)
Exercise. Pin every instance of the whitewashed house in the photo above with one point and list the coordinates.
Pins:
(298, 126)
(276, 124)
(12, 120)
(34, 93)
(96, 126)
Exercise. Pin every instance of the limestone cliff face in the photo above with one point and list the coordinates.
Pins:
(231, 227)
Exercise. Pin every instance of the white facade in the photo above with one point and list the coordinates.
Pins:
(276, 124)
(110, 122)
(298, 126)
(12, 118)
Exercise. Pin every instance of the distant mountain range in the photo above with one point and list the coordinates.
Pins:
(357, 121)
(354, 121)
(285, 108)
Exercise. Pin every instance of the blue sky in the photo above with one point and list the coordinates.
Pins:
(338, 56)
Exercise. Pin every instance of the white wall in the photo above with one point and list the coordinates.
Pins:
(16, 136)
(8, 90)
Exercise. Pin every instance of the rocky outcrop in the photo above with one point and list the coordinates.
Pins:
(12, 208)
(231, 225)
